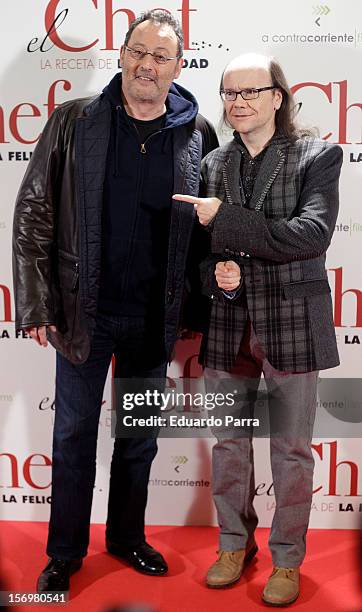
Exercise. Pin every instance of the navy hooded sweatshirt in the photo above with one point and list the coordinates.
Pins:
(137, 205)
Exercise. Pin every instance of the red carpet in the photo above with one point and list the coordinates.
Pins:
(330, 576)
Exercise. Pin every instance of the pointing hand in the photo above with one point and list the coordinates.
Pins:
(206, 208)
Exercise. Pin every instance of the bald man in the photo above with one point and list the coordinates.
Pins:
(271, 207)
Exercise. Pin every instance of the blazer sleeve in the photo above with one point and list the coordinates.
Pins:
(306, 235)
(33, 230)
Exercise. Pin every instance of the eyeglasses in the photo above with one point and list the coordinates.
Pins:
(159, 58)
(247, 94)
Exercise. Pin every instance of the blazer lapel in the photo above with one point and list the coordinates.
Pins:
(270, 167)
(231, 176)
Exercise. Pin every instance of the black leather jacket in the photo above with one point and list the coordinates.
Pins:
(57, 224)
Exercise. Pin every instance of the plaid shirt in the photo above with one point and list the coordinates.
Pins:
(280, 243)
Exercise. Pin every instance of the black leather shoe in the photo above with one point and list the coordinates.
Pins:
(55, 576)
(143, 558)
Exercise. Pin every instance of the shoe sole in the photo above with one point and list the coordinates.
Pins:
(145, 572)
(280, 605)
(248, 558)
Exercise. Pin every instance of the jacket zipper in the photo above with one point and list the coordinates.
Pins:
(74, 265)
(75, 277)
(139, 182)
(143, 144)
(170, 289)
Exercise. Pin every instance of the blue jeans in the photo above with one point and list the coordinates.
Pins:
(138, 352)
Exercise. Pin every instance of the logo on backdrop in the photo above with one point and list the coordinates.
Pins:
(179, 461)
(342, 480)
(47, 406)
(319, 13)
(105, 40)
(32, 473)
(349, 227)
(336, 93)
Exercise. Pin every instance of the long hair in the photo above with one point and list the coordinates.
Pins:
(159, 17)
(285, 116)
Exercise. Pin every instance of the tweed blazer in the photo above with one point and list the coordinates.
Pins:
(280, 243)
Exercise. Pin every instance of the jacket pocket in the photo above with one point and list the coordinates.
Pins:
(306, 288)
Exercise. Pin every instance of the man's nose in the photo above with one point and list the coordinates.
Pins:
(147, 61)
(240, 101)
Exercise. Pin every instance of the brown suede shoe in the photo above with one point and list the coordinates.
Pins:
(229, 567)
(282, 587)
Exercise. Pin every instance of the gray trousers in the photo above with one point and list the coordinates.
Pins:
(291, 402)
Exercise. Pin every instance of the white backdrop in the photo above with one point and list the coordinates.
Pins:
(319, 47)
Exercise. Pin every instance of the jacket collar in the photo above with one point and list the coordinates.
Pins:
(272, 163)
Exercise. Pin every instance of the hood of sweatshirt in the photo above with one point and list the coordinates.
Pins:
(181, 106)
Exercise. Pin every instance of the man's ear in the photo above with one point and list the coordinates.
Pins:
(121, 55)
(178, 68)
(278, 99)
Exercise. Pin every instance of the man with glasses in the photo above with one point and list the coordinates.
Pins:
(271, 208)
(99, 262)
